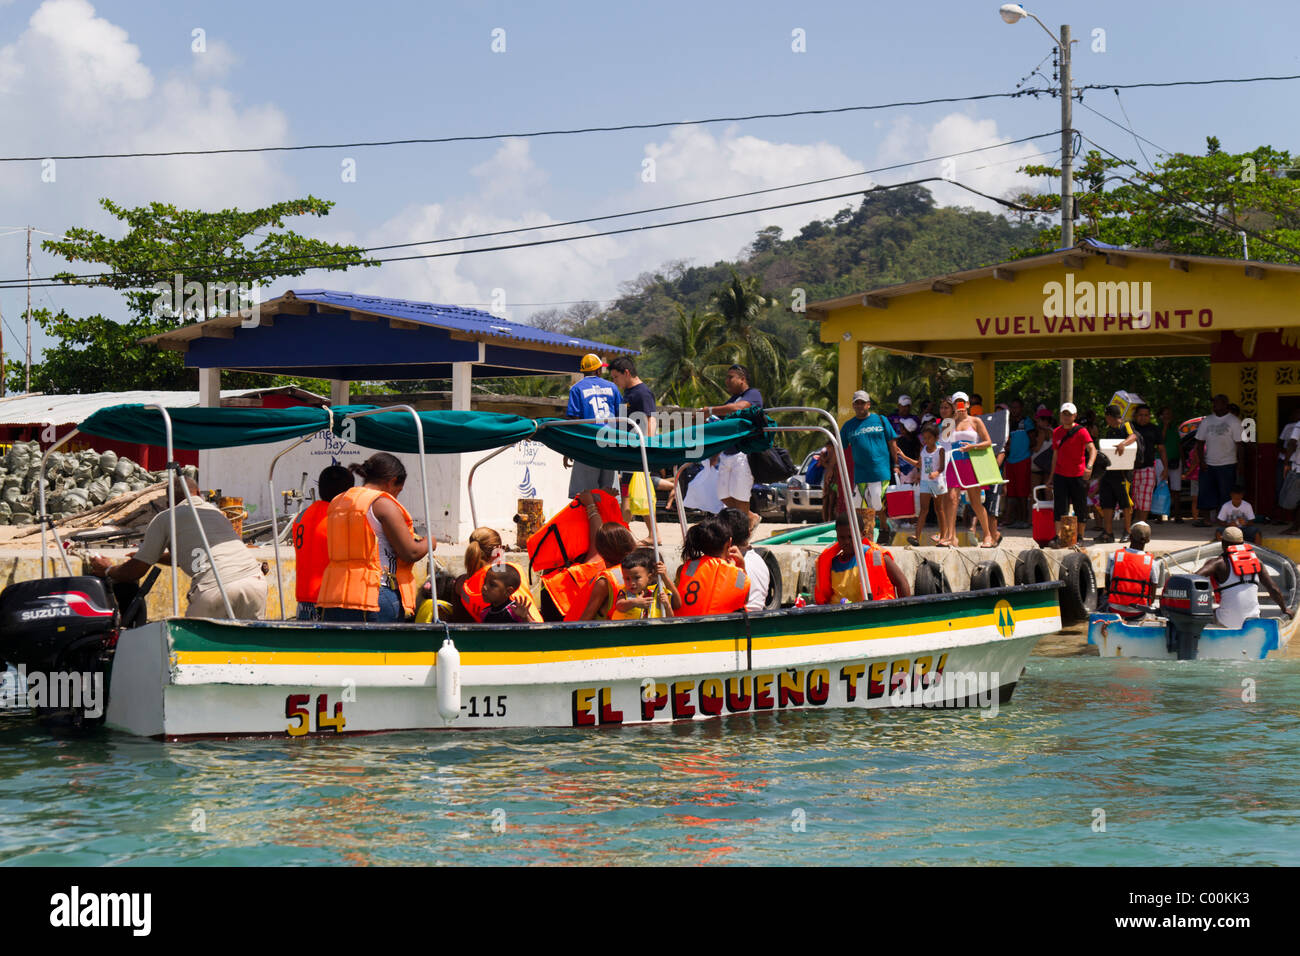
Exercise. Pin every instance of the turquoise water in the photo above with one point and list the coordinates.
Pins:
(1185, 771)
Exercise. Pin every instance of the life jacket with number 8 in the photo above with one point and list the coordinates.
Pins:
(709, 585)
(566, 538)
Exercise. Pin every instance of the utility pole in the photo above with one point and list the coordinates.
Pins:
(1013, 13)
(2, 353)
(28, 385)
(1067, 189)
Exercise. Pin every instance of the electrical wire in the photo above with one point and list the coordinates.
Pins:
(166, 273)
(532, 134)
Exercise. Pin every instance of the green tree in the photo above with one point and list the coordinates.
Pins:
(692, 357)
(162, 243)
(740, 307)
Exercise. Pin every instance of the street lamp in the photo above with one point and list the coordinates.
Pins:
(1014, 13)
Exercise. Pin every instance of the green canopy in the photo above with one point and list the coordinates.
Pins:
(612, 447)
(196, 429)
(444, 432)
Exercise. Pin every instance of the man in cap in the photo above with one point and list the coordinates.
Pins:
(871, 440)
(1237, 573)
(1073, 454)
(591, 397)
(1133, 575)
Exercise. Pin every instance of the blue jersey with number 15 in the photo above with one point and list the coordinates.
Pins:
(593, 397)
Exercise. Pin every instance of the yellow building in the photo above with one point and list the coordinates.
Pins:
(1096, 301)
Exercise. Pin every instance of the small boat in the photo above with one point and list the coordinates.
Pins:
(190, 677)
(1180, 626)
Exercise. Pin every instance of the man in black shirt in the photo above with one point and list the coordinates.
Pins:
(640, 407)
(1151, 449)
(1115, 484)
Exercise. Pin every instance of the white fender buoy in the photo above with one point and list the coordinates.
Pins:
(448, 681)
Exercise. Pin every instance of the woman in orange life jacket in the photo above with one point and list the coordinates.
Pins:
(614, 542)
(561, 589)
(311, 549)
(484, 549)
(837, 571)
(371, 546)
(712, 578)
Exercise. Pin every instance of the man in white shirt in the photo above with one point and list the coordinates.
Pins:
(241, 573)
(1218, 438)
(755, 567)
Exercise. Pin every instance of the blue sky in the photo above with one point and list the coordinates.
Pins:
(116, 76)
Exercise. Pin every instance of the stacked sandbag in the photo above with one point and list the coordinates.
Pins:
(75, 481)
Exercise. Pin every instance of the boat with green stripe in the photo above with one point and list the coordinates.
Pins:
(192, 677)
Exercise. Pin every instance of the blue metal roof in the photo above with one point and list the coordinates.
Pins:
(453, 318)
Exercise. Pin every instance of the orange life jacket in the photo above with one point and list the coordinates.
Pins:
(524, 598)
(354, 575)
(1243, 560)
(1130, 579)
(882, 588)
(710, 585)
(471, 593)
(568, 587)
(566, 538)
(311, 551)
(613, 578)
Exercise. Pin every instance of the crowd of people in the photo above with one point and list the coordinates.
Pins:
(1198, 464)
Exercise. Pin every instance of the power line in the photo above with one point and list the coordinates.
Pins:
(532, 134)
(166, 273)
(663, 225)
(1169, 83)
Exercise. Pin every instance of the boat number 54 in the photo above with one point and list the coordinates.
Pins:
(295, 708)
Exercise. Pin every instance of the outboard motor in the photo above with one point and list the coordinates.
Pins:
(60, 626)
(1187, 604)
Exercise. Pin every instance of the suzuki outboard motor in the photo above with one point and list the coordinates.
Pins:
(59, 626)
(1187, 604)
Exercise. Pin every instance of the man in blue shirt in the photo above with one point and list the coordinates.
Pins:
(872, 441)
(592, 397)
(735, 480)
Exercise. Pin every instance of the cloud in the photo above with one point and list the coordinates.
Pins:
(991, 171)
(690, 164)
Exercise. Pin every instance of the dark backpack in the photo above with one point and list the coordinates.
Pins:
(771, 466)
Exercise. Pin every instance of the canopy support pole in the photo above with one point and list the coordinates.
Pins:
(677, 496)
(424, 491)
(43, 517)
(275, 527)
(842, 463)
(175, 469)
(469, 482)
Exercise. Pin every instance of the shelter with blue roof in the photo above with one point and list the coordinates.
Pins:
(346, 337)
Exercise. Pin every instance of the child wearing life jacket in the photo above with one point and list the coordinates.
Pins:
(646, 589)
(614, 542)
(838, 580)
(484, 550)
(505, 599)
(711, 579)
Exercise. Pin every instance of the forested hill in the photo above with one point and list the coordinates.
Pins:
(894, 236)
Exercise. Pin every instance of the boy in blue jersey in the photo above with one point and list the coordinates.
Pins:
(592, 397)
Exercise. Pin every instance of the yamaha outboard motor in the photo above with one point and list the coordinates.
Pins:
(1187, 604)
(59, 627)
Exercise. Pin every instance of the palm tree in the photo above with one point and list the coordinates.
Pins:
(739, 305)
(692, 358)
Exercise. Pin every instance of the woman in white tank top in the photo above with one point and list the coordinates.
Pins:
(969, 432)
